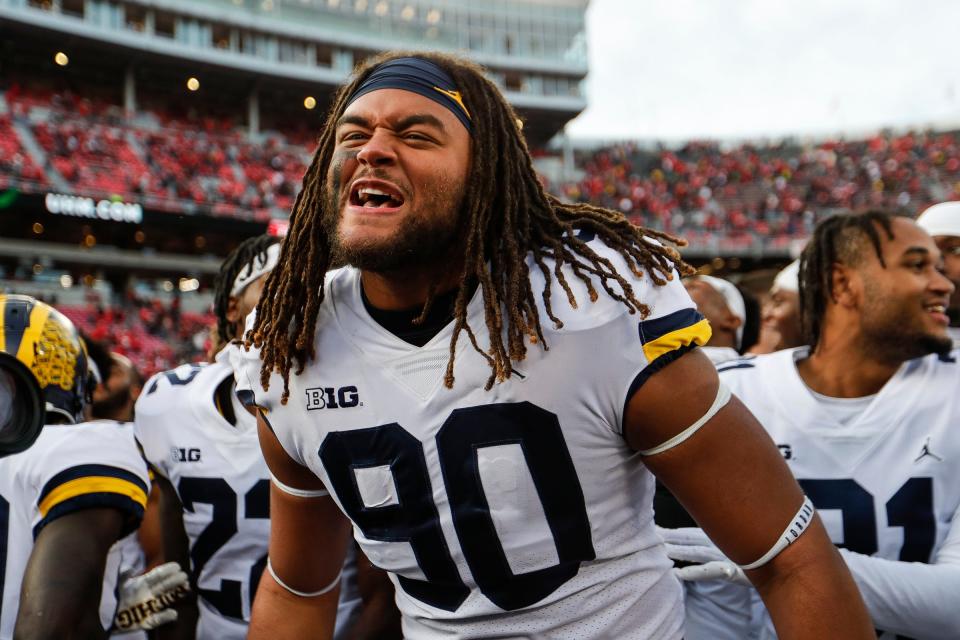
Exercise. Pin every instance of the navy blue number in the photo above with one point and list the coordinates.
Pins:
(912, 508)
(223, 525)
(414, 519)
(856, 504)
(4, 532)
(538, 433)
(174, 378)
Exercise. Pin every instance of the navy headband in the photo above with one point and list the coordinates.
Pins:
(419, 76)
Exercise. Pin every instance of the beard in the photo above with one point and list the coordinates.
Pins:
(429, 235)
(111, 405)
(888, 332)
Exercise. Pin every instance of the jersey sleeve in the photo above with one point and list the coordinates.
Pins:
(246, 366)
(635, 348)
(97, 466)
(912, 598)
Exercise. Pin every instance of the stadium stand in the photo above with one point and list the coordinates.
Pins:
(701, 191)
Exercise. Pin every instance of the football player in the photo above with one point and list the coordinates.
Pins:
(505, 487)
(866, 416)
(213, 502)
(67, 500)
(942, 221)
(722, 304)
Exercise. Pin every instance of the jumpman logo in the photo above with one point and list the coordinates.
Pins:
(926, 452)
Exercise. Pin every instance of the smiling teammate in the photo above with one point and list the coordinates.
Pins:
(866, 417)
(505, 487)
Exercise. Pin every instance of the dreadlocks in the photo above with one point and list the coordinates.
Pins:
(837, 239)
(240, 259)
(507, 216)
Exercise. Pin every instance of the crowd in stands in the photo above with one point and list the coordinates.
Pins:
(162, 161)
(700, 190)
(738, 195)
(154, 336)
(776, 192)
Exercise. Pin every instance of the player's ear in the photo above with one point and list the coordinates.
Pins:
(844, 281)
(233, 312)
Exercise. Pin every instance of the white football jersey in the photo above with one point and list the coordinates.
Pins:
(518, 512)
(223, 484)
(887, 482)
(69, 468)
(222, 481)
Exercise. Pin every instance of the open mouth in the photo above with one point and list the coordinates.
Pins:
(375, 196)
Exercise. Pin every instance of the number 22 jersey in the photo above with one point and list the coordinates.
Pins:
(518, 512)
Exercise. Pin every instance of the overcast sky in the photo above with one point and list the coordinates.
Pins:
(679, 69)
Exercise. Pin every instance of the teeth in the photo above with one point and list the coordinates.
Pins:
(937, 308)
(372, 192)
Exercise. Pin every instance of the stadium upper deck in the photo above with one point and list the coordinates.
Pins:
(260, 50)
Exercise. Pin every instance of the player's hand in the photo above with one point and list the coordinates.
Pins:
(691, 544)
(145, 600)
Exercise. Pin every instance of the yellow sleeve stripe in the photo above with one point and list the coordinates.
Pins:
(698, 333)
(92, 484)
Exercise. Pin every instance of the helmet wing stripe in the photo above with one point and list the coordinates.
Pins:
(33, 333)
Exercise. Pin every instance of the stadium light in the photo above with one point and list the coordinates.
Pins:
(37, 228)
(309, 102)
(333, 4)
(61, 58)
(360, 6)
(408, 13)
(433, 16)
(66, 281)
(382, 8)
(193, 84)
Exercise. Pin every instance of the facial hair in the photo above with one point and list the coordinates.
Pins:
(894, 334)
(113, 404)
(428, 236)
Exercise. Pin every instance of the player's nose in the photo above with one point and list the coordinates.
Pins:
(378, 150)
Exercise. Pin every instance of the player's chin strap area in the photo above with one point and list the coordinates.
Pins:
(723, 397)
(300, 493)
(793, 531)
(303, 594)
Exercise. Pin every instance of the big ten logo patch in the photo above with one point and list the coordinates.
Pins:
(332, 398)
(185, 454)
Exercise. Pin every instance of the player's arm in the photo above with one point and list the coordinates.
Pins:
(379, 617)
(913, 598)
(298, 594)
(164, 539)
(730, 477)
(60, 595)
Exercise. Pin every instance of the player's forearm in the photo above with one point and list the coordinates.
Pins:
(910, 598)
(279, 615)
(810, 594)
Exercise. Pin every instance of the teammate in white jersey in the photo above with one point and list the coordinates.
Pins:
(506, 488)
(67, 500)
(214, 502)
(866, 417)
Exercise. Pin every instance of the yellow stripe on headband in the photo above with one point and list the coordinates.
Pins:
(456, 97)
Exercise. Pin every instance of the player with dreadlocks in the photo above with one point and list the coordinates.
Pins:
(192, 411)
(498, 483)
(866, 416)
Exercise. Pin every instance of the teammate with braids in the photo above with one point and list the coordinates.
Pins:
(502, 478)
(866, 417)
(211, 508)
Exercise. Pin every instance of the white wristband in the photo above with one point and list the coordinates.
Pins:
(793, 531)
(723, 397)
(300, 493)
(303, 594)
